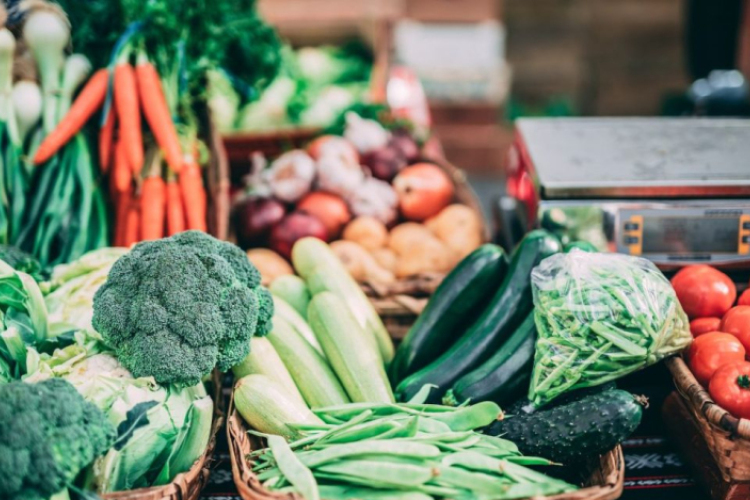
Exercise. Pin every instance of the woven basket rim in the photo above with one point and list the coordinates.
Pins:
(691, 390)
(187, 485)
(609, 473)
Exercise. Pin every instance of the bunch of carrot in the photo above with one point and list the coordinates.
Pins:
(169, 196)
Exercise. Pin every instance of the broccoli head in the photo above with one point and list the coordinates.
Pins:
(176, 308)
(48, 434)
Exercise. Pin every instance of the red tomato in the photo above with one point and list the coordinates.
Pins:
(711, 351)
(704, 291)
(699, 326)
(744, 299)
(730, 388)
(737, 322)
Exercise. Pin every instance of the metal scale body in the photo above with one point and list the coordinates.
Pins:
(676, 191)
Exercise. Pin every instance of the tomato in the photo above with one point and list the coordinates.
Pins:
(699, 326)
(711, 351)
(704, 291)
(737, 322)
(730, 388)
(744, 299)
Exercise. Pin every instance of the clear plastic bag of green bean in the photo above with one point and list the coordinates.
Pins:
(599, 317)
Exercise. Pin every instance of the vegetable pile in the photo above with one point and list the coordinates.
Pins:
(357, 187)
(599, 317)
(721, 328)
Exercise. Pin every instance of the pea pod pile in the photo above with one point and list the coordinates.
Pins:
(401, 451)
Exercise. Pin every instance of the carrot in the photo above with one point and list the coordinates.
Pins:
(88, 101)
(132, 231)
(106, 140)
(157, 114)
(121, 172)
(175, 213)
(193, 196)
(128, 112)
(153, 203)
(122, 205)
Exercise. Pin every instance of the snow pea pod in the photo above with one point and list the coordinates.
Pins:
(294, 471)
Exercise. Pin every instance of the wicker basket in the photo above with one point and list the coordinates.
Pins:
(605, 475)
(188, 485)
(727, 438)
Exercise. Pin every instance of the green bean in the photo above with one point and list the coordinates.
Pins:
(390, 473)
(372, 447)
(367, 430)
(482, 484)
(294, 471)
(421, 396)
(340, 492)
(471, 417)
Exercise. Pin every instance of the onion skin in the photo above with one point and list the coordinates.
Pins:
(329, 208)
(333, 145)
(384, 163)
(293, 227)
(253, 220)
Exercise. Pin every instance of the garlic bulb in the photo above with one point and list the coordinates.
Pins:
(291, 175)
(338, 176)
(374, 198)
(366, 135)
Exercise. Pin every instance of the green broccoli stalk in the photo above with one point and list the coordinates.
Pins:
(175, 308)
(48, 434)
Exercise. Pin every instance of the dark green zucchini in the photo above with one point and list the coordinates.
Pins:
(582, 245)
(504, 376)
(587, 427)
(464, 293)
(508, 308)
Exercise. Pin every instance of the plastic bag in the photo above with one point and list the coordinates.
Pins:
(600, 317)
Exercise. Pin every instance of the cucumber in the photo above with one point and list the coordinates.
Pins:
(264, 360)
(524, 406)
(587, 427)
(267, 407)
(464, 293)
(282, 310)
(293, 290)
(323, 271)
(582, 245)
(353, 358)
(504, 376)
(309, 369)
(510, 305)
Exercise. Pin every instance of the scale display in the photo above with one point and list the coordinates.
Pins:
(683, 235)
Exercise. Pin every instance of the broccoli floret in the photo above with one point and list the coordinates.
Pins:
(48, 434)
(22, 261)
(176, 308)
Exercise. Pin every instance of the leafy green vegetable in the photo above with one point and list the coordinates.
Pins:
(178, 307)
(22, 261)
(48, 434)
(600, 317)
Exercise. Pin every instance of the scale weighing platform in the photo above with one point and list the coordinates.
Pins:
(676, 191)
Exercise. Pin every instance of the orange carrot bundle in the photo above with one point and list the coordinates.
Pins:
(106, 140)
(193, 196)
(156, 111)
(122, 208)
(153, 204)
(175, 213)
(132, 231)
(128, 112)
(89, 100)
(121, 173)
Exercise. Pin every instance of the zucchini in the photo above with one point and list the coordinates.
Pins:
(582, 245)
(268, 408)
(323, 271)
(504, 376)
(510, 305)
(355, 361)
(282, 310)
(309, 369)
(293, 290)
(264, 360)
(583, 428)
(464, 293)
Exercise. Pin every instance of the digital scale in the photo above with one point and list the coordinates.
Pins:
(676, 191)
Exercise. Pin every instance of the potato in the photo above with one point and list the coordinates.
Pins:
(386, 258)
(405, 235)
(428, 255)
(270, 264)
(368, 232)
(459, 227)
(360, 264)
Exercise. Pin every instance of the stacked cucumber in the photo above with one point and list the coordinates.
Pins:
(476, 341)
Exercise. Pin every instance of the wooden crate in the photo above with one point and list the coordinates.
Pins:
(715, 443)
(605, 478)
